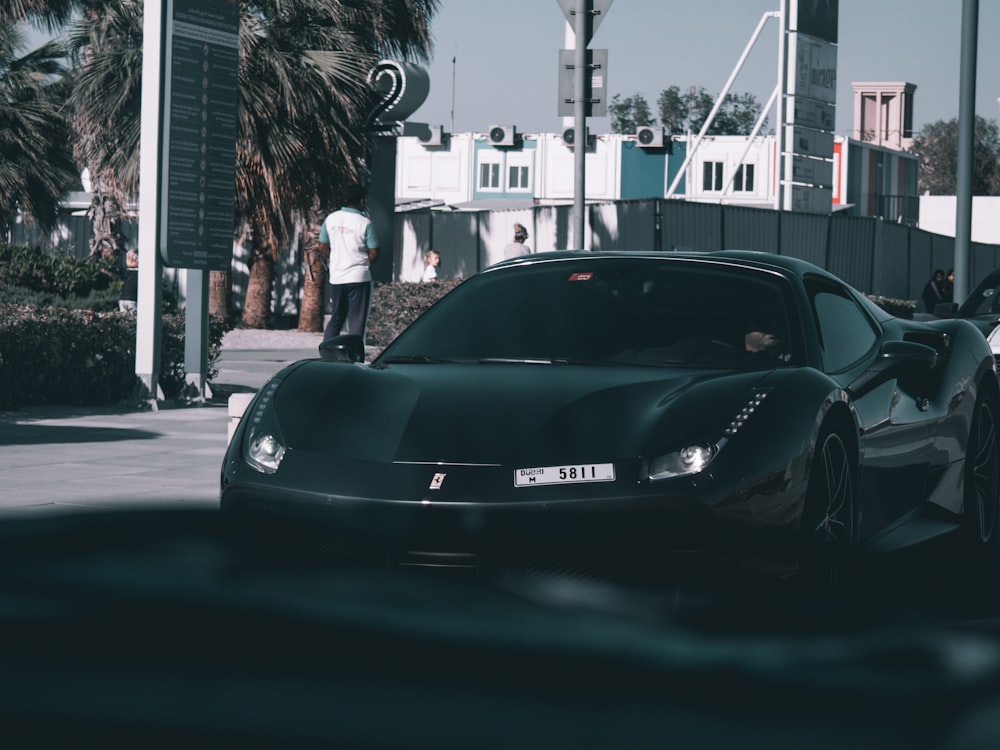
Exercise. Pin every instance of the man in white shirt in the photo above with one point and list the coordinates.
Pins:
(348, 240)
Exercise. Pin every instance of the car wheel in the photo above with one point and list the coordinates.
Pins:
(830, 513)
(982, 474)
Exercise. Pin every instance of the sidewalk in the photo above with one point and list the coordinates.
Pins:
(64, 458)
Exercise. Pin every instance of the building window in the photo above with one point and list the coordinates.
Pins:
(744, 178)
(489, 176)
(519, 178)
(711, 175)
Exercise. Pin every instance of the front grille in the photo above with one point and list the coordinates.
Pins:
(675, 564)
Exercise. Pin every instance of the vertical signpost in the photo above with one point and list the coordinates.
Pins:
(401, 87)
(809, 39)
(585, 16)
(187, 168)
(199, 167)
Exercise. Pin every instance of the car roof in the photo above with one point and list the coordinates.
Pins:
(753, 258)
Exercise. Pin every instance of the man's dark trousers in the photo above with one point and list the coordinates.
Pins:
(349, 302)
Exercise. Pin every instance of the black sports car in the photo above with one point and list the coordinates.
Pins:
(981, 308)
(613, 413)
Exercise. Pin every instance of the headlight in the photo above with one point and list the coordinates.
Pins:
(264, 446)
(694, 458)
(689, 460)
(265, 452)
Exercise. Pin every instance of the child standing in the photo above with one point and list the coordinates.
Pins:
(432, 259)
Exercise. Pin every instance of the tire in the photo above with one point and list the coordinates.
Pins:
(829, 523)
(982, 476)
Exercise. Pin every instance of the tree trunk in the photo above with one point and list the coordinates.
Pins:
(313, 291)
(220, 294)
(105, 213)
(257, 308)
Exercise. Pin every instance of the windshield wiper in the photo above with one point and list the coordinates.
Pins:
(415, 359)
(540, 361)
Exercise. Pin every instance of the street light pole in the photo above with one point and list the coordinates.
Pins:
(579, 123)
(966, 138)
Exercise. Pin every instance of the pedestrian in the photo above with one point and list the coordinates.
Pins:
(949, 286)
(933, 293)
(347, 239)
(432, 259)
(129, 295)
(517, 247)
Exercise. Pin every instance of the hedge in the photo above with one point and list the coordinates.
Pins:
(396, 305)
(63, 276)
(52, 355)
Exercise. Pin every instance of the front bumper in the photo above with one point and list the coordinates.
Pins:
(644, 534)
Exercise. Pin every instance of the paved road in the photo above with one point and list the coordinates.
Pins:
(58, 458)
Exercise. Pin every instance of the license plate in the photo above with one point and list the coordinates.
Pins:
(571, 474)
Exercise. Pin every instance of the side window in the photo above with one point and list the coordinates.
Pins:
(743, 182)
(711, 178)
(489, 176)
(846, 332)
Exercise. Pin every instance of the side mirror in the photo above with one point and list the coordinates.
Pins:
(946, 309)
(348, 348)
(894, 360)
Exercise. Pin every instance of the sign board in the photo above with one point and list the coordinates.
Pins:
(807, 142)
(599, 10)
(817, 18)
(809, 113)
(596, 86)
(813, 200)
(809, 91)
(198, 168)
(402, 88)
(812, 171)
(815, 63)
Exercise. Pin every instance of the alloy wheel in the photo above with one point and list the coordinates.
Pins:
(983, 474)
(833, 524)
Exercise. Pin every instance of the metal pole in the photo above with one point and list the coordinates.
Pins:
(148, 312)
(966, 138)
(779, 109)
(454, 59)
(718, 102)
(579, 122)
(196, 334)
(750, 139)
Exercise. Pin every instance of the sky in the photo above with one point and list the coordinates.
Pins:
(506, 56)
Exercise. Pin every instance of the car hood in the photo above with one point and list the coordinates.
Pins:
(503, 413)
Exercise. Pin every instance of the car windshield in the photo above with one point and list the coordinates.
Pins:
(610, 311)
(984, 300)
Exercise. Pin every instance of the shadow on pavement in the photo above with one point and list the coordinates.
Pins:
(36, 434)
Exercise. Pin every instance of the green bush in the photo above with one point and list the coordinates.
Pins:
(62, 340)
(172, 373)
(63, 276)
(98, 300)
(396, 305)
(52, 355)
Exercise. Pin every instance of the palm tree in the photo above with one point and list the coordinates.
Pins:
(50, 14)
(116, 27)
(303, 99)
(36, 162)
(106, 47)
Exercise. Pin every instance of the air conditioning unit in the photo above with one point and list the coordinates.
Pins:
(649, 137)
(433, 136)
(503, 135)
(569, 136)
